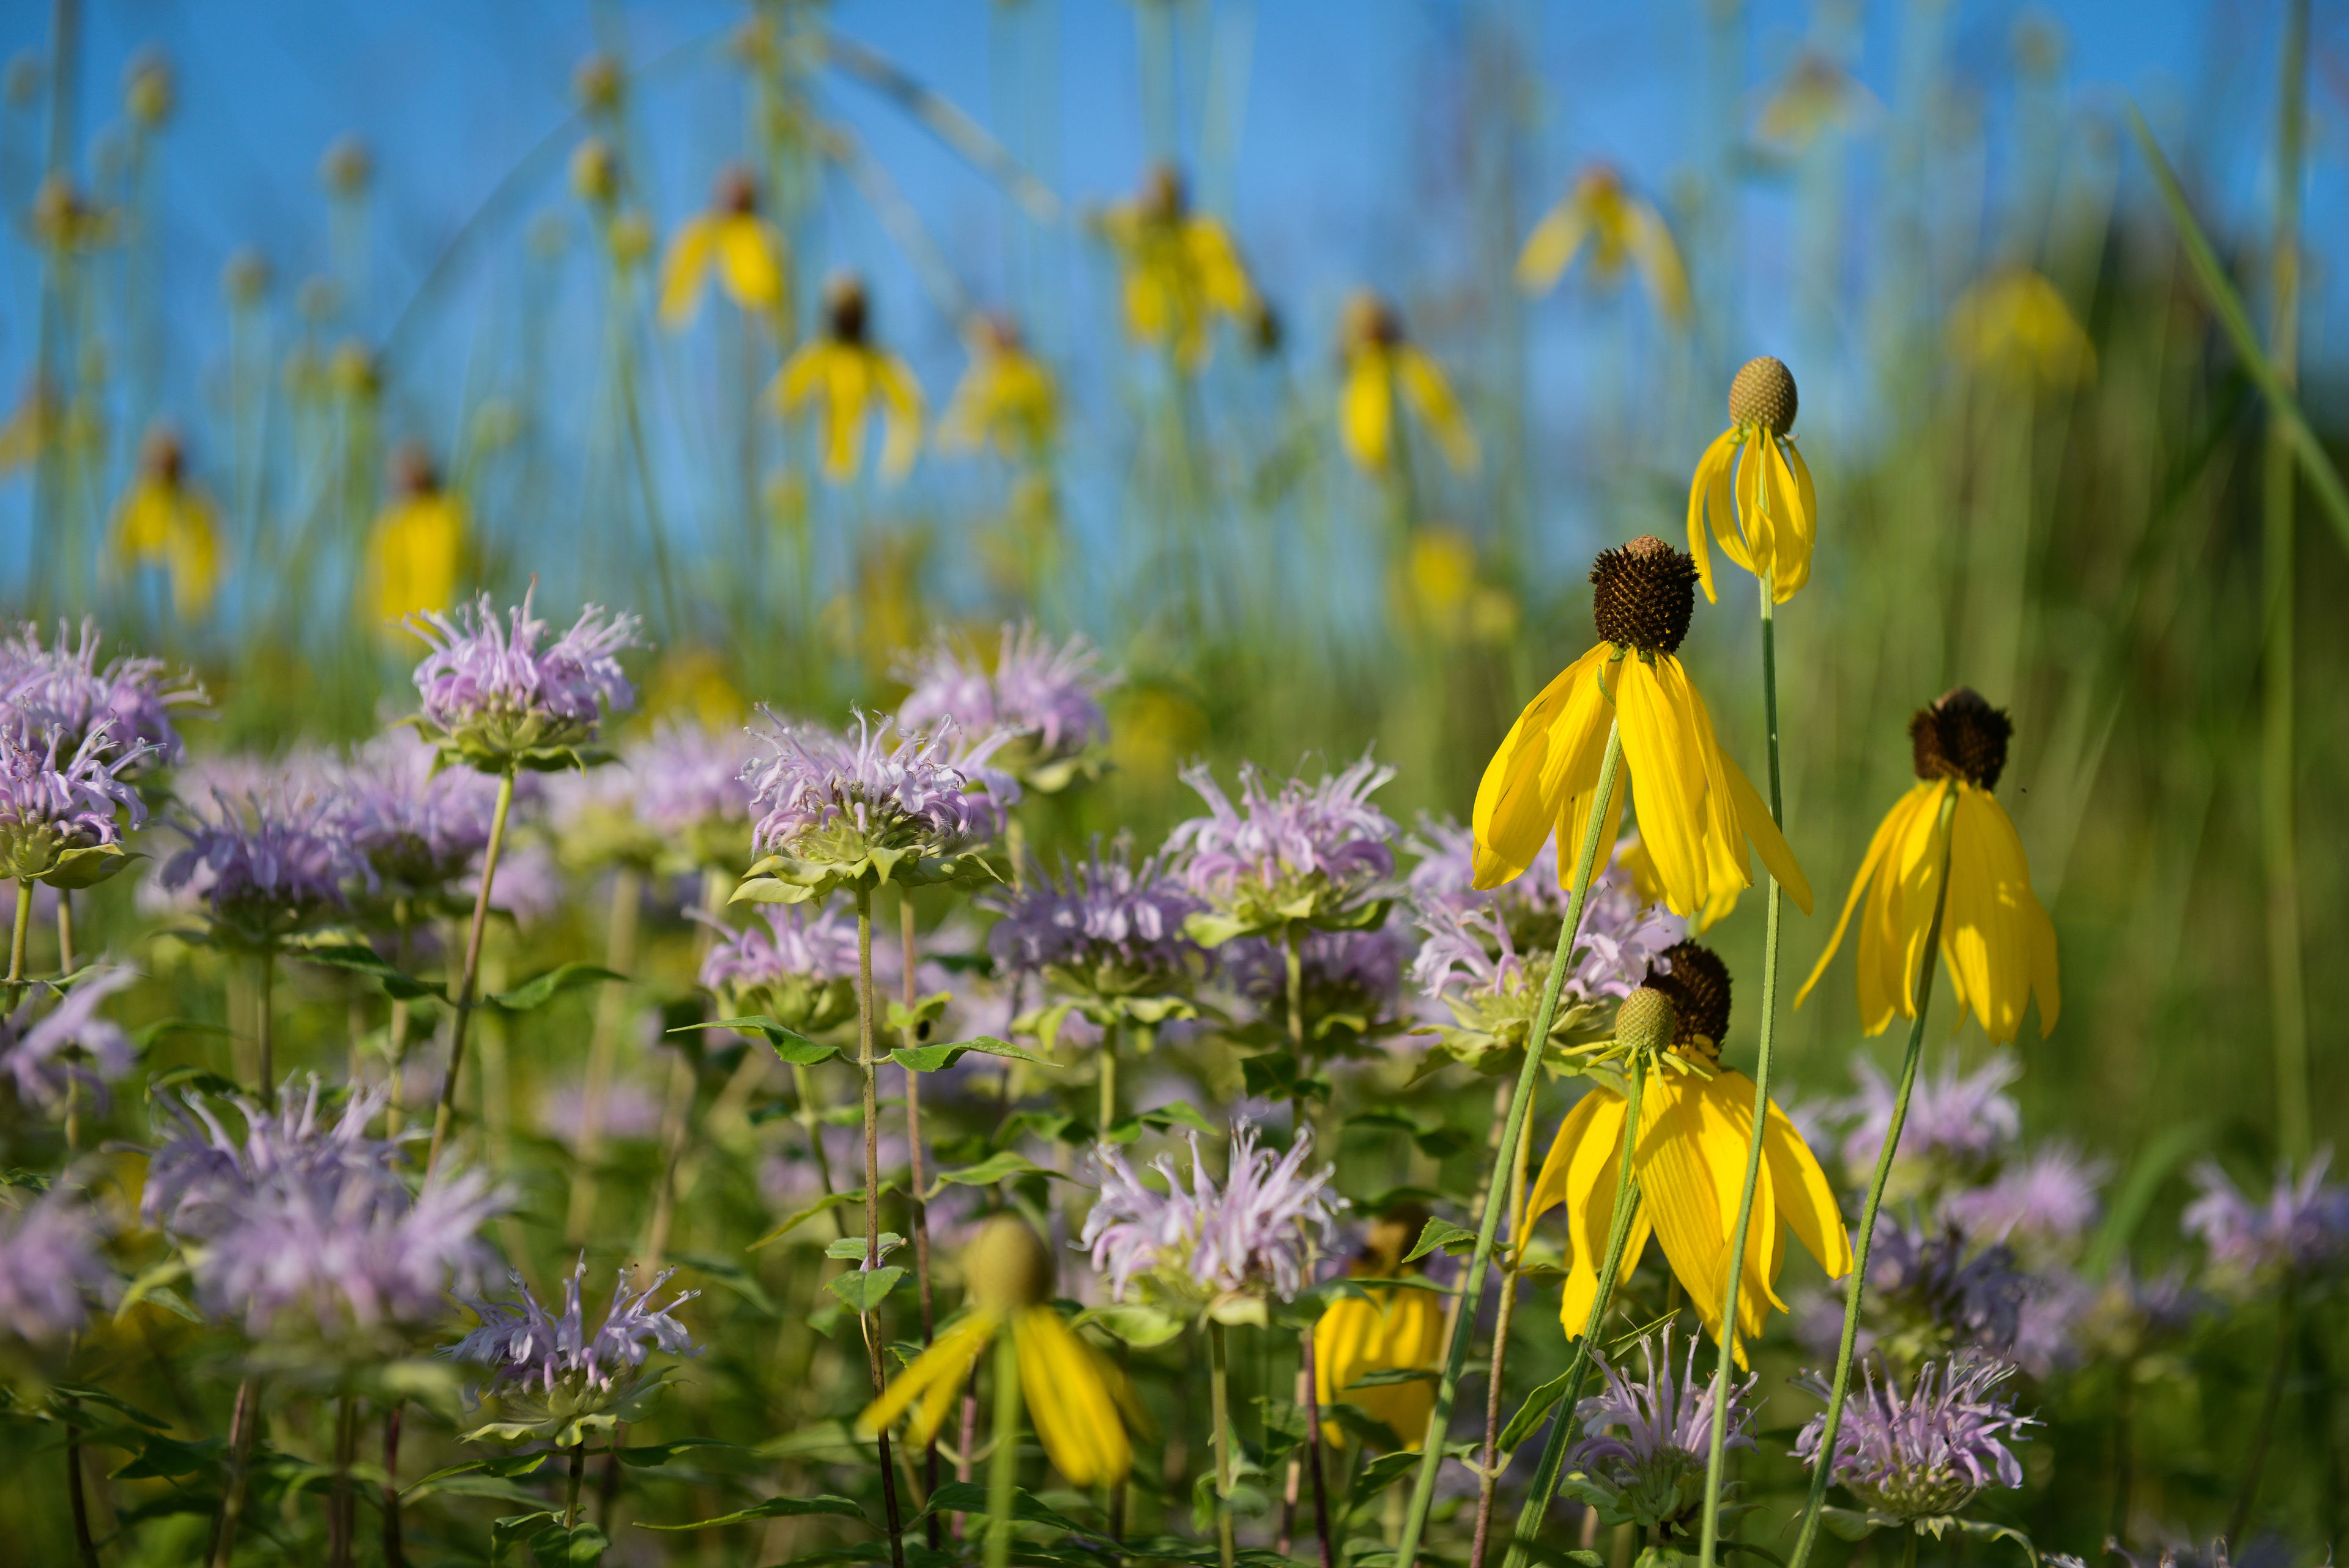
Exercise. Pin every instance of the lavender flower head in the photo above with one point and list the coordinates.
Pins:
(800, 969)
(2302, 1229)
(1044, 698)
(550, 1378)
(1108, 926)
(2042, 1205)
(1959, 1124)
(50, 1266)
(494, 698)
(880, 805)
(39, 1055)
(1352, 980)
(1927, 1454)
(307, 1211)
(62, 807)
(266, 864)
(1317, 852)
(1642, 1457)
(689, 792)
(417, 826)
(63, 682)
(1237, 1241)
(1944, 1292)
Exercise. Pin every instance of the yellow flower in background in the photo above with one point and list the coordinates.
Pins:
(1621, 230)
(1077, 1399)
(731, 238)
(1996, 938)
(1382, 367)
(692, 681)
(417, 551)
(33, 427)
(1399, 1329)
(2013, 322)
(1006, 396)
(1181, 269)
(165, 521)
(1697, 809)
(1753, 488)
(1816, 94)
(846, 376)
(1687, 1161)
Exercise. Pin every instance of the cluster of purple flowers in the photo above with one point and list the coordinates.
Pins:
(50, 1267)
(1960, 1122)
(495, 695)
(801, 941)
(687, 777)
(2302, 1229)
(879, 788)
(267, 863)
(1321, 846)
(1470, 947)
(551, 1371)
(44, 1054)
(1108, 924)
(418, 829)
(1357, 974)
(1250, 1234)
(55, 800)
(307, 1211)
(1042, 699)
(1925, 1453)
(132, 697)
(1642, 1455)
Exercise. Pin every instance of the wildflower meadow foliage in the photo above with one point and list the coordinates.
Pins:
(1212, 959)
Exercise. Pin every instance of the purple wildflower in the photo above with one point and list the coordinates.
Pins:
(550, 1370)
(54, 803)
(1250, 1234)
(268, 863)
(2047, 1202)
(35, 1052)
(490, 688)
(689, 778)
(1321, 846)
(307, 1210)
(1043, 697)
(825, 797)
(2133, 1315)
(1109, 926)
(800, 969)
(50, 1266)
(1961, 1120)
(1941, 1283)
(418, 829)
(2302, 1229)
(1926, 1454)
(1353, 975)
(1470, 947)
(63, 683)
(1642, 1460)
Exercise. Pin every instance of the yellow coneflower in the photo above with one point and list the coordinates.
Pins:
(1077, 1399)
(2013, 322)
(1753, 488)
(1181, 269)
(166, 521)
(1697, 809)
(1382, 368)
(1006, 396)
(1399, 1329)
(1688, 1160)
(416, 553)
(1620, 229)
(1816, 93)
(843, 370)
(748, 254)
(1996, 938)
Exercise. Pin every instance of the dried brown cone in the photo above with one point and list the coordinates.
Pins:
(1961, 736)
(1698, 983)
(1645, 594)
(1763, 394)
(844, 309)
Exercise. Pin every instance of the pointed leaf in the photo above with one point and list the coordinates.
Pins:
(937, 1058)
(861, 1291)
(775, 1507)
(1438, 1233)
(540, 989)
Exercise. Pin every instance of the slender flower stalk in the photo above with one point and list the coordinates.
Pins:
(1831, 1422)
(1003, 1471)
(1447, 1386)
(868, 1066)
(446, 1114)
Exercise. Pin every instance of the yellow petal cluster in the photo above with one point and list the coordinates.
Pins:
(731, 240)
(164, 521)
(1697, 809)
(1383, 369)
(1006, 396)
(1755, 490)
(846, 376)
(1400, 1328)
(1619, 229)
(2013, 322)
(1181, 270)
(1997, 941)
(416, 555)
(1689, 1165)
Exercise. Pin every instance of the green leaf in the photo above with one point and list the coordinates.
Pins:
(540, 989)
(1453, 1239)
(1212, 931)
(1851, 1524)
(775, 1507)
(928, 1010)
(735, 1278)
(361, 959)
(146, 1034)
(1529, 1415)
(32, 1179)
(820, 1206)
(795, 1049)
(1142, 1327)
(1001, 1166)
(861, 1291)
(1392, 1376)
(88, 865)
(969, 1496)
(164, 1458)
(580, 1546)
(937, 1058)
(507, 1534)
(1182, 1114)
(852, 1248)
(2146, 1173)
(201, 1080)
(1379, 1474)
(646, 1455)
(153, 1284)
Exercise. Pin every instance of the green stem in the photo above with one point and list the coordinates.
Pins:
(1472, 1284)
(1823, 1465)
(16, 943)
(264, 1038)
(2279, 1372)
(1724, 1368)
(244, 1434)
(65, 932)
(578, 1473)
(1003, 1469)
(1219, 1412)
(1908, 1547)
(1109, 1040)
(1561, 1426)
(446, 1113)
(869, 1066)
(907, 933)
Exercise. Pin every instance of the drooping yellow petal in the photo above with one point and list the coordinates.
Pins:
(1756, 823)
(901, 402)
(752, 256)
(1424, 384)
(1549, 249)
(1805, 1196)
(1399, 1329)
(1550, 754)
(686, 268)
(1668, 776)
(935, 1376)
(1679, 1191)
(1710, 483)
(1997, 937)
(1366, 409)
(1790, 564)
(1066, 1384)
(796, 382)
(1222, 282)
(191, 550)
(1659, 260)
(1873, 882)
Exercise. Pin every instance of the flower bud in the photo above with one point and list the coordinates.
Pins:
(1646, 1022)
(594, 171)
(1763, 394)
(1005, 1265)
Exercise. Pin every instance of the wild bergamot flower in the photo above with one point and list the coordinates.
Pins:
(1620, 229)
(1926, 1454)
(550, 1379)
(1996, 938)
(492, 697)
(1697, 809)
(1753, 487)
(1079, 1402)
(62, 812)
(417, 551)
(842, 370)
(1384, 369)
(1642, 1454)
(732, 239)
(1689, 1158)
